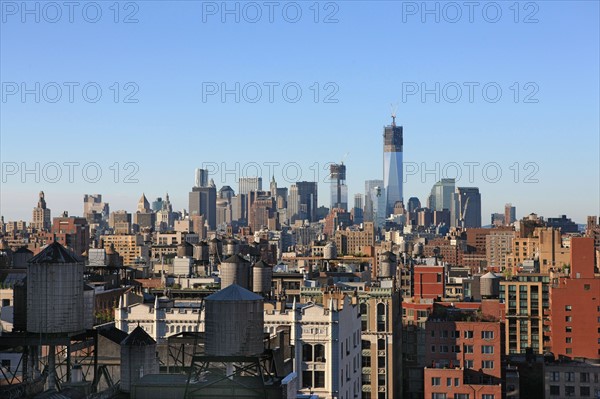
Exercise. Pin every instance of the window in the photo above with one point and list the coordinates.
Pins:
(569, 376)
(487, 364)
(584, 391)
(445, 334)
(380, 309)
(568, 329)
(319, 379)
(5, 302)
(381, 344)
(568, 319)
(554, 390)
(468, 348)
(444, 348)
(584, 377)
(319, 353)
(469, 334)
(487, 396)
(457, 382)
(438, 396)
(307, 379)
(381, 362)
(307, 353)
(568, 308)
(568, 340)
(555, 376)
(432, 333)
(432, 348)
(436, 381)
(569, 350)
(448, 382)
(365, 345)
(469, 364)
(461, 396)
(487, 349)
(487, 335)
(569, 390)
(366, 361)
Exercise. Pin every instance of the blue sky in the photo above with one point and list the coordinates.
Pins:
(365, 61)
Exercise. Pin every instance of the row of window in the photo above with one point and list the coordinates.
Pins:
(570, 376)
(459, 396)
(468, 334)
(570, 391)
(485, 349)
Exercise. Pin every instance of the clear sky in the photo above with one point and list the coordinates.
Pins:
(168, 64)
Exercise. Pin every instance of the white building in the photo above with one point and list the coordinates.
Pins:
(160, 320)
(327, 341)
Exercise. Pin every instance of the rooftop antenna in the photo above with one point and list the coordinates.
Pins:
(393, 108)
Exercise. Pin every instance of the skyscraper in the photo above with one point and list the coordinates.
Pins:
(441, 195)
(392, 165)
(510, 214)
(302, 203)
(466, 207)
(203, 201)
(41, 215)
(201, 178)
(339, 189)
(247, 184)
(368, 209)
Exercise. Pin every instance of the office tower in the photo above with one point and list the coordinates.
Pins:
(376, 199)
(307, 195)
(339, 189)
(413, 204)
(239, 212)
(165, 218)
(466, 207)
(368, 209)
(293, 204)
(120, 222)
(441, 195)
(357, 210)
(392, 165)
(201, 178)
(510, 214)
(247, 184)
(563, 223)
(157, 204)
(41, 215)
(262, 211)
(143, 204)
(203, 201)
(93, 203)
(226, 193)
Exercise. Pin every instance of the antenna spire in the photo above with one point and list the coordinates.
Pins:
(393, 112)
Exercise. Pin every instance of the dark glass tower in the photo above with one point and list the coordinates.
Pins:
(392, 165)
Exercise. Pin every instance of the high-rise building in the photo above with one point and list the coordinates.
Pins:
(303, 201)
(203, 201)
(441, 195)
(414, 204)
(357, 211)
(247, 184)
(377, 204)
(368, 213)
(466, 207)
(201, 178)
(157, 204)
(339, 189)
(41, 215)
(510, 214)
(392, 165)
(93, 203)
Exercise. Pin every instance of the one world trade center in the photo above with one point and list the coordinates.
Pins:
(392, 165)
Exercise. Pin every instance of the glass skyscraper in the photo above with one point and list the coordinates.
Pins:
(392, 165)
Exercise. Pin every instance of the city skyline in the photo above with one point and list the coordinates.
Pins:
(558, 122)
